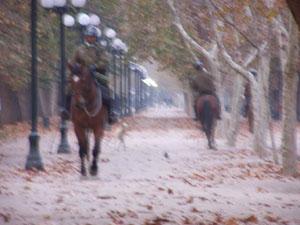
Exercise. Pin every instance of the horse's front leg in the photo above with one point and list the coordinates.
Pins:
(96, 151)
(209, 137)
(213, 136)
(83, 145)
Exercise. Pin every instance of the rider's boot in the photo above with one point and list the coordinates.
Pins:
(195, 117)
(112, 115)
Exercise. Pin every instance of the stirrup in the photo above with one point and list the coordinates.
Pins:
(112, 119)
(65, 114)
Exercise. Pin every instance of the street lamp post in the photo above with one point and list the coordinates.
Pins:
(119, 48)
(129, 90)
(34, 159)
(142, 92)
(108, 38)
(125, 89)
(60, 7)
(107, 41)
(64, 145)
(114, 72)
(83, 20)
(137, 91)
(121, 84)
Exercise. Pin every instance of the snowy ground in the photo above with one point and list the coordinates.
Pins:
(166, 175)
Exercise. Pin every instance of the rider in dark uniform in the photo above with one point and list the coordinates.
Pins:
(202, 84)
(93, 55)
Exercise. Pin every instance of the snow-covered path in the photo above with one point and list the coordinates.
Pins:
(166, 175)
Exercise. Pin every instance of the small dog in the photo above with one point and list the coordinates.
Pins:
(121, 135)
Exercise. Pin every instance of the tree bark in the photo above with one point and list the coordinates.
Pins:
(235, 111)
(260, 103)
(289, 147)
(237, 103)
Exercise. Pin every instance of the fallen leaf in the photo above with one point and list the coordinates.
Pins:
(272, 218)
(190, 200)
(60, 200)
(149, 207)
(231, 221)
(47, 217)
(195, 210)
(250, 219)
(160, 189)
(170, 191)
(106, 197)
(157, 221)
(6, 217)
(186, 221)
(259, 189)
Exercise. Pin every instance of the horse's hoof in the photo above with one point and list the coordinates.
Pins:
(84, 178)
(213, 148)
(83, 172)
(94, 170)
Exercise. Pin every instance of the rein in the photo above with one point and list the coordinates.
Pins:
(98, 106)
(76, 69)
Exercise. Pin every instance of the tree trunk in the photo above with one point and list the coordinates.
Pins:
(260, 106)
(289, 147)
(235, 111)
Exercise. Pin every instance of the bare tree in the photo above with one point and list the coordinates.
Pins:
(212, 56)
(289, 147)
(259, 85)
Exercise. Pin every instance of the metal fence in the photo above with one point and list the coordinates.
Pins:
(127, 84)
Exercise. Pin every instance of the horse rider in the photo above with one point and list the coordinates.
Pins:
(202, 84)
(93, 55)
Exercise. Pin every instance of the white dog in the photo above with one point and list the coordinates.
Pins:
(121, 132)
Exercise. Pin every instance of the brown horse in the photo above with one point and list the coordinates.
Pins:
(87, 113)
(207, 111)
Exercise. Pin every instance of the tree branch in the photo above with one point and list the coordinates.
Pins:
(253, 55)
(195, 58)
(186, 36)
(281, 27)
(232, 24)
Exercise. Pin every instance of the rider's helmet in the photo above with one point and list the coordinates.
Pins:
(198, 65)
(91, 34)
(253, 72)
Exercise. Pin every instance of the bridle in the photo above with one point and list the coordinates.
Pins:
(82, 102)
(98, 106)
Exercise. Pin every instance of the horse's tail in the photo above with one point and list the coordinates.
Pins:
(207, 116)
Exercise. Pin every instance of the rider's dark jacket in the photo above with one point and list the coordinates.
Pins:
(202, 83)
(94, 57)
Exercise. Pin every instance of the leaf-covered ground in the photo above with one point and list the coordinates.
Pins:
(165, 175)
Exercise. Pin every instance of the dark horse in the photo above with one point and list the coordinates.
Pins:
(207, 110)
(87, 113)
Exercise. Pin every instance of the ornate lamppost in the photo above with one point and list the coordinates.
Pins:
(106, 41)
(120, 48)
(34, 159)
(84, 20)
(60, 7)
